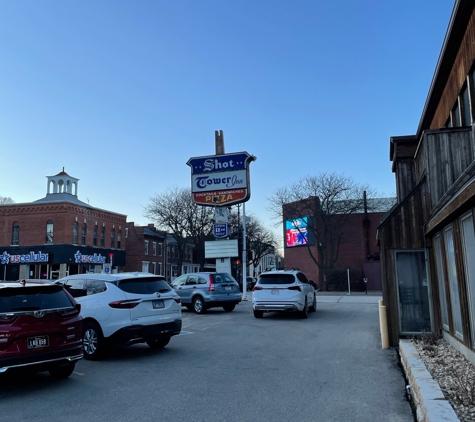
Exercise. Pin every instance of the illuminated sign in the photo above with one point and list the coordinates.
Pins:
(219, 180)
(89, 259)
(296, 233)
(31, 257)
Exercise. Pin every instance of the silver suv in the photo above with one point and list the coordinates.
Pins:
(201, 291)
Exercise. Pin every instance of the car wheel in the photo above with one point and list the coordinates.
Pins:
(258, 314)
(158, 344)
(93, 341)
(304, 312)
(63, 371)
(199, 305)
(229, 308)
(313, 308)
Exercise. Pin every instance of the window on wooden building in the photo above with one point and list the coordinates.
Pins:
(466, 115)
(468, 240)
(441, 281)
(453, 281)
(456, 119)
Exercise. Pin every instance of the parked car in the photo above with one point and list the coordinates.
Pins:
(285, 291)
(124, 309)
(40, 329)
(204, 290)
(250, 282)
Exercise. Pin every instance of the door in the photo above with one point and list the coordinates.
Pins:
(413, 295)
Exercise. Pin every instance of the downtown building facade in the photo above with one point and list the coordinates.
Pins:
(59, 235)
(355, 247)
(427, 241)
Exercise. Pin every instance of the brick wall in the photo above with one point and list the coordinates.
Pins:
(136, 249)
(356, 243)
(33, 218)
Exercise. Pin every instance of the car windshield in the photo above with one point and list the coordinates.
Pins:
(34, 298)
(276, 279)
(146, 285)
(222, 278)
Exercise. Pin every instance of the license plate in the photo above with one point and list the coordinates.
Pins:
(228, 288)
(37, 342)
(275, 291)
(158, 304)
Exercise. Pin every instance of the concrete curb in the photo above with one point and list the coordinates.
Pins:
(427, 396)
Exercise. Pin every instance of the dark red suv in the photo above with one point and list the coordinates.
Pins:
(40, 328)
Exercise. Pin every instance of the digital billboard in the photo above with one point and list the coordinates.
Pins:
(296, 232)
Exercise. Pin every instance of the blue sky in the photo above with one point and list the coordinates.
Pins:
(122, 93)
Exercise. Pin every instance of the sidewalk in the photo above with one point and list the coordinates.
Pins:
(353, 297)
(430, 403)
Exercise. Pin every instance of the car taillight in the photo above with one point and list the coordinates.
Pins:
(295, 288)
(68, 313)
(177, 299)
(257, 288)
(7, 318)
(124, 304)
(211, 287)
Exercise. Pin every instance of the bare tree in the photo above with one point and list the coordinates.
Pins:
(175, 212)
(6, 200)
(260, 241)
(325, 202)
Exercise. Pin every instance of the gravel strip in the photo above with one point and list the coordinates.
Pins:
(453, 372)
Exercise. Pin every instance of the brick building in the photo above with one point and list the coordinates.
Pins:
(59, 235)
(145, 249)
(358, 248)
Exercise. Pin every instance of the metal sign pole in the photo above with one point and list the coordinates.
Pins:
(244, 252)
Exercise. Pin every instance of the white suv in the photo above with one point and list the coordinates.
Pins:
(123, 309)
(284, 290)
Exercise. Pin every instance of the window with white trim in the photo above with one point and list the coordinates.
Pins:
(145, 266)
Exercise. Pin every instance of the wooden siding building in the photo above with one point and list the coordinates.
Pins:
(427, 241)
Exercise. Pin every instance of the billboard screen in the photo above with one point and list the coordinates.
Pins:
(296, 232)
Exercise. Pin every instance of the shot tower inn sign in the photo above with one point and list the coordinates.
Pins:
(219, 180)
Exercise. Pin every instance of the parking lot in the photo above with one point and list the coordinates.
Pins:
(229, 366)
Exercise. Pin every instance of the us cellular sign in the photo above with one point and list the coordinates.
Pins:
(219, 180)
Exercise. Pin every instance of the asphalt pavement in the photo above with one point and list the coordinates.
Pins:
(230, 366)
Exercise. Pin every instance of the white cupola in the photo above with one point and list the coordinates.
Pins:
(62, 183)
